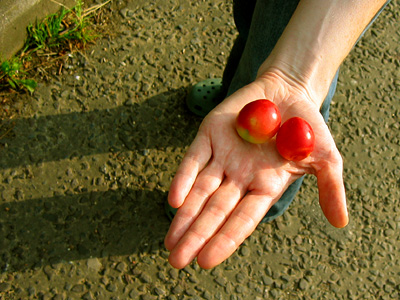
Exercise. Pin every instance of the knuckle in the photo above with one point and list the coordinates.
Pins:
(217, 212)
(247, 220)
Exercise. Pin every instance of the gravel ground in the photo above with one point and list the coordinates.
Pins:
(85, 172)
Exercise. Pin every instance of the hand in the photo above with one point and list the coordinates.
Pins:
(225, 185)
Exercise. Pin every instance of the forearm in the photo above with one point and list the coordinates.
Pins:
(318, 37)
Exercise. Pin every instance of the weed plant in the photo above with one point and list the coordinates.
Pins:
(69, 26)
(13, 75)
(68, 29)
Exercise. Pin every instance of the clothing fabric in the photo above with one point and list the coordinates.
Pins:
(260, 23)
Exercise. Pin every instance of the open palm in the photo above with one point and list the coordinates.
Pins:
(225, 185)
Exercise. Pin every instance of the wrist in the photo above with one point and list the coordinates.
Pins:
(318, 37)
(303, 70)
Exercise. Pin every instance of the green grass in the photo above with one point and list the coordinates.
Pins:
(61, 29)
(12, 75)
(67, 30)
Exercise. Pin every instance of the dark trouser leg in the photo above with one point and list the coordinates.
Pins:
(243, 14)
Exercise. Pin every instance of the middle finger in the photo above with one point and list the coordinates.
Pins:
(213, 216)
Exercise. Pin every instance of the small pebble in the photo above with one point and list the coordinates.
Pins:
(78, 288)
(5, 287)
(245, 251)
(94, 264)
(303, 284)
(111, 287)
(222, 281)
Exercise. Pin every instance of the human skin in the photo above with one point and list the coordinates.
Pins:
(224, 185)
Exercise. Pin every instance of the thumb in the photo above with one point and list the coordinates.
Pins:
(332, 197)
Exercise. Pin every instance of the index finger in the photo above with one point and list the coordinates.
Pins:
(195, 159)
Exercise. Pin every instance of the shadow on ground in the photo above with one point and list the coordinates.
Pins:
(159, 122)
(79, 224)
(69, 228)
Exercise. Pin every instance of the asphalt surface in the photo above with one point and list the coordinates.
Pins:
(85, 171)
